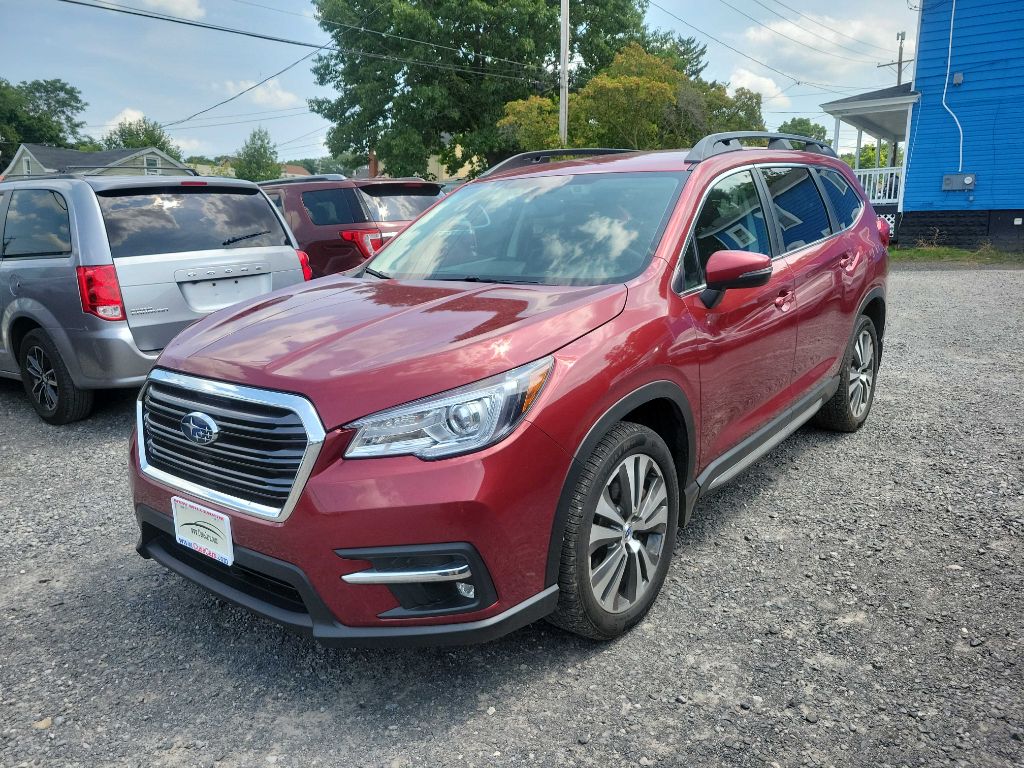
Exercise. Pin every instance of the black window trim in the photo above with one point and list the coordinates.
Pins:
(6, 196)
(678, 278)
(821, 193)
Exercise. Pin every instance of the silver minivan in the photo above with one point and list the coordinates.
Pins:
(99, 273)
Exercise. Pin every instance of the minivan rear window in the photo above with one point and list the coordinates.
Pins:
(153, 220)
(330, 207)
(398, 202)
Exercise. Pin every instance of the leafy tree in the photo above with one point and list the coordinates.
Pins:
(867, 156)
(139, 134)
(804, 126)
(257, 159)
(642, 101)
(38, 112)
(409, 100)
(686, 54)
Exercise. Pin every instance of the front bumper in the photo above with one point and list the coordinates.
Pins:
(281, 592)
(352, 515)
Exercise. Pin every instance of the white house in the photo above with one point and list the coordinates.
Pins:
(38, 159)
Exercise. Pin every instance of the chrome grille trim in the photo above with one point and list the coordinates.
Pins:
(298, 405)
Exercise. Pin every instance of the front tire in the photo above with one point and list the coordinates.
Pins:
(48, 384)
(850, 405)
(619, 534)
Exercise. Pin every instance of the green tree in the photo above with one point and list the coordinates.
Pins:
(804, 126)
(139, 134)
(409, 100)
(257, 159)
(686, 54)
(867, 156)
(38, 112)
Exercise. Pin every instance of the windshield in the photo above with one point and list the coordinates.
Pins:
(587, 229)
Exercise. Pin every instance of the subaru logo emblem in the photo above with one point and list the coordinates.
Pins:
(199, 428)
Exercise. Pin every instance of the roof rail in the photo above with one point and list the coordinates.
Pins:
(74, 169)
(717, 143)
(536, 157)
(304, 179)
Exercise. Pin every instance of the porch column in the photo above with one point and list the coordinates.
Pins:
(878, 151)
(835, 139)
(856, 157)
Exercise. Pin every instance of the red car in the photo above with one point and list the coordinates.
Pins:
(508, 412)
(343, 222)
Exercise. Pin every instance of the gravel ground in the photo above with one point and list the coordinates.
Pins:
(851, 601)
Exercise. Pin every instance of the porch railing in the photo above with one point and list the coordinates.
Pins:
(881, 184)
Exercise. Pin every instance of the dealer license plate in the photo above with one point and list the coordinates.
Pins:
(204, 530)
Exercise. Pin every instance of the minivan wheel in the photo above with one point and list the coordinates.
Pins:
(48, 384)
(619, 534)
(849, 407)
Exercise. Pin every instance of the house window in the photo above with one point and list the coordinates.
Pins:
(152, 166)
(28, 166)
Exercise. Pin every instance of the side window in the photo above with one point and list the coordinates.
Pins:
(275, 198)
(693, 275)
(798, 206)
(152, 166)
(331, 207)
(846, 201)
(37, 224)
(732, 219)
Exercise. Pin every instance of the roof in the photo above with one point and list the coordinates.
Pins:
(58, 158)
(892, 92)
(297, 170)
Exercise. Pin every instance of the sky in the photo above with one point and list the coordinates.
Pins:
(808, 52)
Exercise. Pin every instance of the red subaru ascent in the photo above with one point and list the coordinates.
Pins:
(509, 410)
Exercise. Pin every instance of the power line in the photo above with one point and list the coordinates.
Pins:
(793, 39)
(275, 39)
(237, 122)
(827, 86)
(838, 45)
(826, 26)
(218, 117)
(361, 28)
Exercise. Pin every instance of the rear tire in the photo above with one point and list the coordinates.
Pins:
(47, 382)
(850, 405)
(619, 535)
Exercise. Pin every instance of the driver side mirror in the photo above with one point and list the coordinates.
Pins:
(734, 269)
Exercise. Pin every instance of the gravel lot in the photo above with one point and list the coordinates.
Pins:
(851, 601)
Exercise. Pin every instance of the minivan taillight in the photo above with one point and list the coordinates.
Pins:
(307, 271)
(100, 292)
(368, 241)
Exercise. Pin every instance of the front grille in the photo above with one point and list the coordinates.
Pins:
(255, 457)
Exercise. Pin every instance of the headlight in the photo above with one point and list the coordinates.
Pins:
(460, 421)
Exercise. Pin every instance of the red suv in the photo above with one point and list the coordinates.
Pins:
(508, 412)
(343, 222)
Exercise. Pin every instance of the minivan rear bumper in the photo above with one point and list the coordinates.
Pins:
(106, 357)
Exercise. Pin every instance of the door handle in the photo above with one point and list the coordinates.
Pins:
(783, 300)
(845, 260)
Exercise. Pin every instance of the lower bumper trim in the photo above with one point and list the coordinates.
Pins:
(157, 542)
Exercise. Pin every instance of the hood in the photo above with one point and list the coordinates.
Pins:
(356, 346)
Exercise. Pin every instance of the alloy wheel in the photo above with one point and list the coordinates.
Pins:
(42, 377)
(862, 374)
(627, 533)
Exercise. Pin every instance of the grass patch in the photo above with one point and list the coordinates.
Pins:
(941, 253)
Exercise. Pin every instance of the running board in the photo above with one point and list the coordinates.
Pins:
(729, 465)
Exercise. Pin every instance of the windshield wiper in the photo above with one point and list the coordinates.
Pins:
(240, 238)
(375, 273)
(480, 279)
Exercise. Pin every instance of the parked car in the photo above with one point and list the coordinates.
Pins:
(508, 412)
(343, 222)
(98, 273)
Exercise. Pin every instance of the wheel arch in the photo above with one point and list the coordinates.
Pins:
(661, 406)
(873, 305)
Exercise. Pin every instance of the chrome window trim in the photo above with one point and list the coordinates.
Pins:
(300, 406)
(750, 167)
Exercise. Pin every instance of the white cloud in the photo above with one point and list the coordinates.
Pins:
(270, 94)
(774, 98)
(190, 146)
(128, 114)
(189, 9)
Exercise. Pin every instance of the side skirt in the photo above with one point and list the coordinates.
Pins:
(733, 462)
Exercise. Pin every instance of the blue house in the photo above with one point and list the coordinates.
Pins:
(961, 121)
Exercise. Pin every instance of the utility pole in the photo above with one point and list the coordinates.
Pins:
(899, 63)
(563, 84)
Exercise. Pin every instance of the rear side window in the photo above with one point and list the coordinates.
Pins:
(398, 202)
(799, 208)
(845, 201)
(37, 224)
(275, 198)
(156, 220)
(329, 207)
